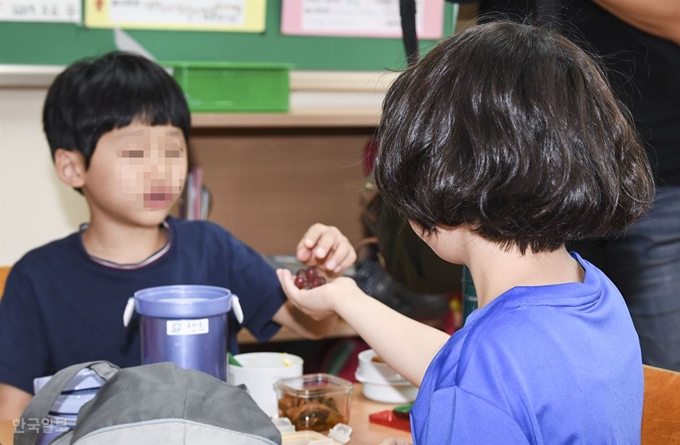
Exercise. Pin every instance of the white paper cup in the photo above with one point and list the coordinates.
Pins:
(259, 372)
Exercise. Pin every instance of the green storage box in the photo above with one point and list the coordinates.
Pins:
(224, 86)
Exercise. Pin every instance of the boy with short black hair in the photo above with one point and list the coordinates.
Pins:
(503, 143)
(118, 128)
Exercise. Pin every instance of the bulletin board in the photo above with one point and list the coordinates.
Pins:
(64, 43)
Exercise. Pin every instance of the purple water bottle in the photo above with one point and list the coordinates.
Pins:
(186, 325)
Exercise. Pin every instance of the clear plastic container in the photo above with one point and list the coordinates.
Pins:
(314, 402)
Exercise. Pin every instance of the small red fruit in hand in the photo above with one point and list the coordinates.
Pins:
(301, 279)
(311, 273)
(316, 282)
(308, 278)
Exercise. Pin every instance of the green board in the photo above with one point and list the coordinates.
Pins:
(62, 44)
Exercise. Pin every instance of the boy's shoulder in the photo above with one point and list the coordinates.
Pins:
(71, 245)
(203, 237)
(195, 226)
(69, 253)
(201, 231)
(70, 248)
(57, 250)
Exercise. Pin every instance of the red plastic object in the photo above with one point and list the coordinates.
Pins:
(387, 418)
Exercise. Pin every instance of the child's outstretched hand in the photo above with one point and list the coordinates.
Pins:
(327, 248)
(320, 302)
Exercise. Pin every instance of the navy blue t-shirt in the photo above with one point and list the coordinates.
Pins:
(62, 307)
(538, 365)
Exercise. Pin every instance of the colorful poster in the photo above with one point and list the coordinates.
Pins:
(360, 18)
(188, 15)
(69, 11)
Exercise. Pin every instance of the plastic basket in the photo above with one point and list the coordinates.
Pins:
(231, 87)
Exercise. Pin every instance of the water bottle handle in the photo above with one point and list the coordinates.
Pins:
(129, 310)
(236, 307)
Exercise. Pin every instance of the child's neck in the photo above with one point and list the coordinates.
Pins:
(495, 271)
(122, 243)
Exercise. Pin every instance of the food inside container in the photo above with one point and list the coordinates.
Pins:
(314, 402)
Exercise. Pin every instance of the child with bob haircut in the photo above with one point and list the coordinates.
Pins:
(503, 143)
(118, 128)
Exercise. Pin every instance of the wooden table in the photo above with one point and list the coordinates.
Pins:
(364, 432)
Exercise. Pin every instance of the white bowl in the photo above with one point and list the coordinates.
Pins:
(376, 372)
(391, 392)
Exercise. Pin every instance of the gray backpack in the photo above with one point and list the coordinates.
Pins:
(154, 404)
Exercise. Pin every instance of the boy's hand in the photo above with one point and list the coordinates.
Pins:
(327, 248)
(317, 303)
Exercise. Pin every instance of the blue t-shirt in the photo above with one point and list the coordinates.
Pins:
(62, 307)
(554, 364)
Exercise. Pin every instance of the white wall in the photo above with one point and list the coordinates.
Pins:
(35, 207)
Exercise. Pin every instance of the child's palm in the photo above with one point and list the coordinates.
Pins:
(318, 303)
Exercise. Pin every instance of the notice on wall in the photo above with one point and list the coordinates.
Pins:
(360, 18)
(69, 11)
(189, 15)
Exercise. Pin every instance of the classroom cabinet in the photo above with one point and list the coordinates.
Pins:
(272, 177)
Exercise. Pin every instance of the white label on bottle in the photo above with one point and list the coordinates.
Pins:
(188, 327)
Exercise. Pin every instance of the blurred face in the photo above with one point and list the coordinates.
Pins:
(137, 172)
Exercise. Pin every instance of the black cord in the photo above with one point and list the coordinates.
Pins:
(407, 9)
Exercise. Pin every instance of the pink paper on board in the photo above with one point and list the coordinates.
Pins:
(432, 22)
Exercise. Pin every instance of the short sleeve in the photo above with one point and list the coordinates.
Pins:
(458, 417)
(24, 349)
(254, 281)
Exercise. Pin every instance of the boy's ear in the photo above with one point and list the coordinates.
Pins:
(70, 166)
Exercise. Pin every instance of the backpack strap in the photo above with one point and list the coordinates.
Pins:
(41, 404)
(63, 439)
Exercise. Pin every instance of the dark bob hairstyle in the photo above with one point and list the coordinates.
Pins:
(513, 130)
